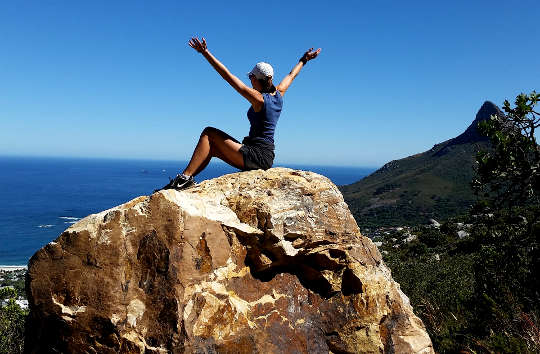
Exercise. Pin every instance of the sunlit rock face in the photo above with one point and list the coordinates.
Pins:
(253, 262)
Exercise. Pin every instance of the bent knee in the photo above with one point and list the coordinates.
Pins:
(209, 131)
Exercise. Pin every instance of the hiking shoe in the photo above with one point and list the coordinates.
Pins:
(179, 182)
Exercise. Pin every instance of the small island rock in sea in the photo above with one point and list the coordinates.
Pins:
(252, 262)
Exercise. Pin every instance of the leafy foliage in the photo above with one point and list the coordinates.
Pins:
(477, 293)
(12, 321)
(475, 281)
(12, 316)
(511, 172)
(507, 274)
(14, 279)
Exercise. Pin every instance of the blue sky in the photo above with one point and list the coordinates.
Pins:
(117, 79)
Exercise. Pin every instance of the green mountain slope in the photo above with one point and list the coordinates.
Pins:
(433, 184)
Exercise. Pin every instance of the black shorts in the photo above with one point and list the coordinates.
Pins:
(257, 154)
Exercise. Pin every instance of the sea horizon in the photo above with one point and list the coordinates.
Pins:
(45, 195)
(180, 161)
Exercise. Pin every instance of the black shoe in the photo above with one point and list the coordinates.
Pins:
(179, 182)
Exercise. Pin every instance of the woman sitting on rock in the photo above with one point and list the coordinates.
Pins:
(257, 149)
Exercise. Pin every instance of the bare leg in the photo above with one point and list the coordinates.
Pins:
(201, 167)
(214, 143)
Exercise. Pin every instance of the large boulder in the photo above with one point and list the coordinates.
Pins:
(261, 261)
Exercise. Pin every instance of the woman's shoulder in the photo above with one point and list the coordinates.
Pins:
(273, 101)
(276, 94)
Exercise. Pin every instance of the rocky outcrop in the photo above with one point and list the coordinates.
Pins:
(261, 261)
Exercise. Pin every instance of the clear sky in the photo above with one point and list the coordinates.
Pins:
(118, 79)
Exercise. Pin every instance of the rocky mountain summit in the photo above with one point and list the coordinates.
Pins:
(471, 135)
(260, 261)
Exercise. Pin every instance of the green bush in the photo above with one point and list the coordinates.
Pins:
(481, 293)
(12, 321)
(478, 293)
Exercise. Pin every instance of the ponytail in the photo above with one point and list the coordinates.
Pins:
(267, 85)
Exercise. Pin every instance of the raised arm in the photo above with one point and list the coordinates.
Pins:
(287, 81)
(252, 95)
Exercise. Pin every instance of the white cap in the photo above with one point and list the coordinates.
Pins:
(262, 70)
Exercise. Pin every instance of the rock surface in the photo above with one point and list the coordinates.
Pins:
(261, 261)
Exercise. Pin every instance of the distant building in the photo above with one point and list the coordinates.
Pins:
(23, 303)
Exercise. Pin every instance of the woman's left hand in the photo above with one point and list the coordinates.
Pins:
(196, 44)
(311, 54)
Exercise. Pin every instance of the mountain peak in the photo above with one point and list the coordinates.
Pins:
(471, 134)
(433, 184)
(487, 110)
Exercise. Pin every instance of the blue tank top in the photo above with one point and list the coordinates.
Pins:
(263, 123)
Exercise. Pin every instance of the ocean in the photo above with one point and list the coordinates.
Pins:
(41, 197)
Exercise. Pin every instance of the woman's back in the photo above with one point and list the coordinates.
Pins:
(263, 123)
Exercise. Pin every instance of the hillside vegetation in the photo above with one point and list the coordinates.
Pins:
(475, 279)
(12, 316)
(435, 184)
(476, 291)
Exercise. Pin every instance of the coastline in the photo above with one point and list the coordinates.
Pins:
(11, 268)
(87, 186)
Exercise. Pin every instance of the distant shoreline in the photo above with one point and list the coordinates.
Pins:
(74, 188)
(10, 268)
(293, 165)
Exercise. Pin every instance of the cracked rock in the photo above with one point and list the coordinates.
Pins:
(252, 262)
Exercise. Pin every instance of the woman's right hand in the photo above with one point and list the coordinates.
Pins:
(196, 44)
